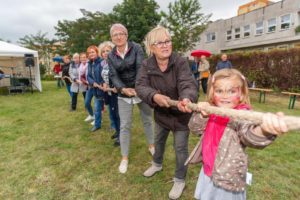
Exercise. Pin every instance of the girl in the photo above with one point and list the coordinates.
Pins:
(111, 97)
(222, 146)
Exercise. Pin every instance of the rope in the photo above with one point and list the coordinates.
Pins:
(293, 123)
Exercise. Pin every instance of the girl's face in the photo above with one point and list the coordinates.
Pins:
(105, 51)
(83, 58)
(92, 54)
(227, 93)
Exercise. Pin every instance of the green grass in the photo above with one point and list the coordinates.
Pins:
(47, 152)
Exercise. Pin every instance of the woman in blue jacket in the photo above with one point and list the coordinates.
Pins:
(96, 81)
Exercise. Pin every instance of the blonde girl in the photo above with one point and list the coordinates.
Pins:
(223, 142)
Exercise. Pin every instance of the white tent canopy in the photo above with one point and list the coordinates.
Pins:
(12, 56)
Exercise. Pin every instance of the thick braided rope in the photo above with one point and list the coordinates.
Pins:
(293, 123)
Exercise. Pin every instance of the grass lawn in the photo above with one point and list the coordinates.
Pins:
(47, 152)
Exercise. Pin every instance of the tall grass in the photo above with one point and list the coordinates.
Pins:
(47, 152)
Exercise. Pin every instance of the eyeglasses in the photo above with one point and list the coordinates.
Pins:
(121, 34)
(161, 44)
(229, 93)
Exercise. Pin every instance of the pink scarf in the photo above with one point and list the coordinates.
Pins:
(212, 136)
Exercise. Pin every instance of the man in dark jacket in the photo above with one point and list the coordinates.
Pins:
(224, 63)
(124, 62)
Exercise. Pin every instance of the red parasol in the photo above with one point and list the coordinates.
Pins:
(200, 52)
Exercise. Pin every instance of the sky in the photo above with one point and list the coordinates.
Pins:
(24, 17)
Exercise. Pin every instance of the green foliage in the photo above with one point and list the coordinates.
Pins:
(297, 29)
(42, 69)
(277, 69)
(40, 43)
(48, 77)
(186, 23)
(88, 30)
(139, 17)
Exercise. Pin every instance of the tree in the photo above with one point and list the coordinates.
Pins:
(186, 23)
(40, 43)
(139, 17)
(88, 30)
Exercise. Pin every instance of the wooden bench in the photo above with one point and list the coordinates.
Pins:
(293, 97)
(262, 93)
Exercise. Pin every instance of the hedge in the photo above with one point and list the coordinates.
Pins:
(277, 69)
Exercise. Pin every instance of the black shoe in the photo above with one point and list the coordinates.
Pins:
(116, 143)
(72, 110)
(114, 135)
(95, 129)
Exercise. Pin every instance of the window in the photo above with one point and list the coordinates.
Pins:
(247, 31)
(272, 25)
(259, 28)
(237, 33)
(228, 35)
(210, 37)
(285, 22)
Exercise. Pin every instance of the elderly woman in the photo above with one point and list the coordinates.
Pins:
(164, 76)
(96, 81)
(124, 62)
(77, 85)
(111, 96)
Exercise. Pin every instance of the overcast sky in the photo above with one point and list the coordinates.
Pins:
(24, 17)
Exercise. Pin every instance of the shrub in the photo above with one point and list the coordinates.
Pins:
(278, 69)
(48, 77)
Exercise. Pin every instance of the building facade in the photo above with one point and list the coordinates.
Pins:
(253, 5)
(266, 28)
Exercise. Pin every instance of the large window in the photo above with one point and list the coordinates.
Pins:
(272, 25)
(285, 21)
(259, 28)
(247, 31)
(210, 37)
(228, 35)
(237, 33)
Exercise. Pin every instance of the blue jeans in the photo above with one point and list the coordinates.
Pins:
(114, 112)
(88, 100)
(68, 86)
(98, 112)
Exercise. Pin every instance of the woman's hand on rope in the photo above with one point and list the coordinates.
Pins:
(274, 123)
(105, 87)
(161, 100)
(130, 92)
(183, 105)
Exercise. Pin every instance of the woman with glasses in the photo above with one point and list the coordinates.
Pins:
(163, 76)
(124, 62)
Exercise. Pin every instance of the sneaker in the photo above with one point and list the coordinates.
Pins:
(116, 143)
(152, 170)
(151, 150)
(123, 166)
(93, 123)
(95, 129)
(176, 190)
(115, 135)
(89, 118)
